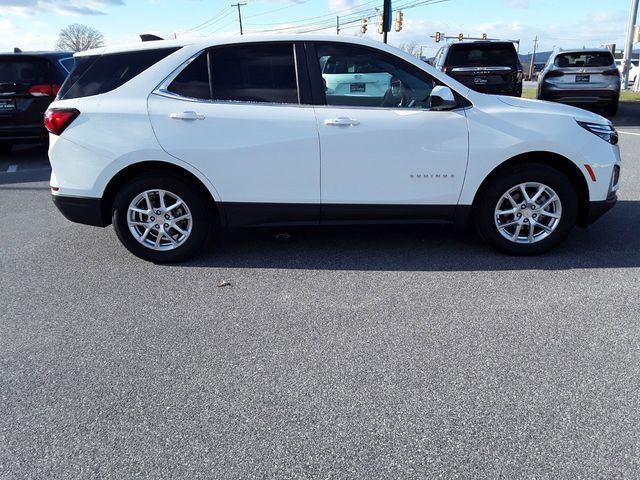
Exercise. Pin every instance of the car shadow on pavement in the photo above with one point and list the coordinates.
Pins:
(628, 115)
(612, 242)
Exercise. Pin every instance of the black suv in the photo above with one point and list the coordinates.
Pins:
(29, 81)
(485, 66)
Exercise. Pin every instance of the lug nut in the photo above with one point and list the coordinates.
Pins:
(523, 207)
(533, 207)
(526, 220)
(158, 212)
(156, 226)
(534, 215)
(153, 219)
(167, 216)
(519, 215)
(166, 225)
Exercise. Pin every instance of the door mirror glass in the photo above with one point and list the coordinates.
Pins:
(442, 98)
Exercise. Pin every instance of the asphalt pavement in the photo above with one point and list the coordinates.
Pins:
(413, 352)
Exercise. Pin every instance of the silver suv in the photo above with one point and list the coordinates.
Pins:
(581, 78)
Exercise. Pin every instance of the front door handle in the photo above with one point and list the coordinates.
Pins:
(186, 116)
(341, 122)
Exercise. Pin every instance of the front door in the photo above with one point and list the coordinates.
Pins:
(384, 153)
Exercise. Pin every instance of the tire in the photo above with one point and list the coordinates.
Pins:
(611, 109)
(5, 148)
(535, 228)
(186, 218)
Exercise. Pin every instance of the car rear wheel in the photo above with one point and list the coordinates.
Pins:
(161, 218)
(611, 109)
(527, 210)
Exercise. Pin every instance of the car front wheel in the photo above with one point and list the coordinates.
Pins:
(528, 210)
(161, 218)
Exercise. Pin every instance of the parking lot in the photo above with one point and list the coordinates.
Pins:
(411, 352)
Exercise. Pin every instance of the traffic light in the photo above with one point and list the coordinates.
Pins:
(461, 36)
(484, 36)
(398, 23)
(438, 37)
(380, 24)
(363, 25)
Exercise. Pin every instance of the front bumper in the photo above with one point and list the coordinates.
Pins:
(85, 210)
(599, 208)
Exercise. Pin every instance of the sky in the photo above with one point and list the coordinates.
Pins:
(35, 24)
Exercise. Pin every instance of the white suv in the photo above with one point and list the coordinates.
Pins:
(170, 140)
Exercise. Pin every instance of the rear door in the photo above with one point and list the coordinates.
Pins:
(238, 114)
(27, 86)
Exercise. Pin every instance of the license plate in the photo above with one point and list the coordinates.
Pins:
(583, 78)
(358, 87)
(7, 105)
(480, 80)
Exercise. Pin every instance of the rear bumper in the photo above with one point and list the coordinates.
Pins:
(578, 97)
(87, 211)
(23, 134)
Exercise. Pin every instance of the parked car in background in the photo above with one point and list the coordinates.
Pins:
(633, 73)
(586, 77)
(170, 140)
(484, 66)
(29, 81)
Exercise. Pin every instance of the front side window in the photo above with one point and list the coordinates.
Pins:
(362, 77)
(254, 73)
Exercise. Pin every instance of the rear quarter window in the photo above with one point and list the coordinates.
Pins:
(93, 75)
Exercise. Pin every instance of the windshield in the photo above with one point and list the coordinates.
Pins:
(584, 59)
(499, 55)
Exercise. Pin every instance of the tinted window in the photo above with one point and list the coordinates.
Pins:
(372, 79)
(100, 74)
(584, 59)
(254, 73)
(193, 81)
(474, 55)
(24, 71)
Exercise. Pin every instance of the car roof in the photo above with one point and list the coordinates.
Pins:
(480, 42)
(582, 50)
(229, 40)
(43, 53)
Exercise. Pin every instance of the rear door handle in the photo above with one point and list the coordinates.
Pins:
(186, 116)
(341, 122)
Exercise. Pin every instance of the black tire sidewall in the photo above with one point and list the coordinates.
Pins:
(490, 195)
(177, 185)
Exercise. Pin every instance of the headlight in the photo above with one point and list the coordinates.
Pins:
(604, 131)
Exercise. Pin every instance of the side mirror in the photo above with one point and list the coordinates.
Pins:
(442, 98)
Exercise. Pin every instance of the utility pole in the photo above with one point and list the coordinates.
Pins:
(337, 25)
(533, 58)
(239, 14)
(633, 12)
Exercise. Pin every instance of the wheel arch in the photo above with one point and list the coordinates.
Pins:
(552, 160)
(131, 171)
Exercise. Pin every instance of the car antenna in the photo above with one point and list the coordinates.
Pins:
(149, 37)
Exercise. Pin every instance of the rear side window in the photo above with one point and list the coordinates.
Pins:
(193, 81)
(474, 55)
(24, 71)
(584, 59)
(254, 73)
(98, 74)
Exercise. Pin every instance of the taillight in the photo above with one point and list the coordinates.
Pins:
(614, 72)
(57, 119)
(48, 90)
(554, 73)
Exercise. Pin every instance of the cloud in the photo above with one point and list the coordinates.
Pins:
(62, 7)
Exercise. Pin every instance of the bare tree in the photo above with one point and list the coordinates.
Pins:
(411, 48)
(77, 38)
